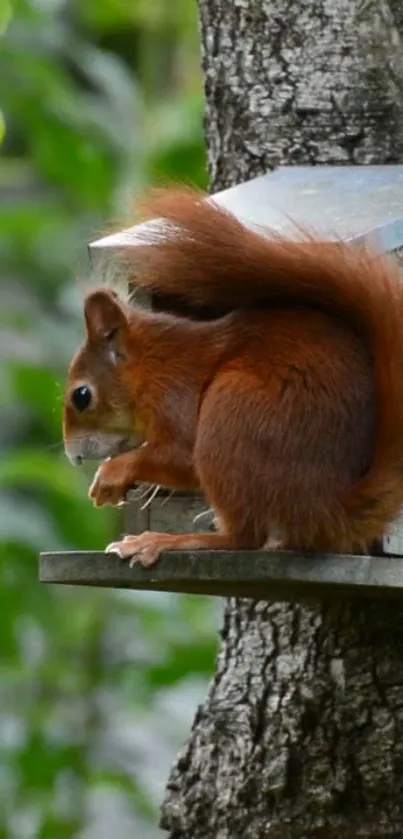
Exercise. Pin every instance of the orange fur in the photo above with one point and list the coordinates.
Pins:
(287, 411)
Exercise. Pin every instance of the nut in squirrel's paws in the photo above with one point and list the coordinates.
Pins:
(144, 548)
(110, 484)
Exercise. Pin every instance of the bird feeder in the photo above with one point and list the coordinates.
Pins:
(348, 203)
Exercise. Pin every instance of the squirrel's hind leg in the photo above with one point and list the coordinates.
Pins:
(147, 547)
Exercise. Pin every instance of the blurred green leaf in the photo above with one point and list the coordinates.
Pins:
(5, 14)
(26, 524)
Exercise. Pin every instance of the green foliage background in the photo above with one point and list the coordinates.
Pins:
(97, 689)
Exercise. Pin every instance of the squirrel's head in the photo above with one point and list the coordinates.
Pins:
(98, 419)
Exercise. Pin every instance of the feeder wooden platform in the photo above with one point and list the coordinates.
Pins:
(256, 574)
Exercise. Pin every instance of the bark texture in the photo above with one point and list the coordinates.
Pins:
(301, 734)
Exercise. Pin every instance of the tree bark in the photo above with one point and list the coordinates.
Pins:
(301, 734)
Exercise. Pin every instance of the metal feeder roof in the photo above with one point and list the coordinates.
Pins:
(336, 202)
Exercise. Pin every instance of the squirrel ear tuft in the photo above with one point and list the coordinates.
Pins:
(104, 315)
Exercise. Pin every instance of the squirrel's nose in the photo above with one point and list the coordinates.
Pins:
(75, 459)
(72, 454)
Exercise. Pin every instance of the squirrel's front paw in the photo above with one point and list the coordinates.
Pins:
(111, 483)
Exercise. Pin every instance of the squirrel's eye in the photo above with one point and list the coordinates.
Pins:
(81, 397)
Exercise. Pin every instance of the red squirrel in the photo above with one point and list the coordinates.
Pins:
(286, 411)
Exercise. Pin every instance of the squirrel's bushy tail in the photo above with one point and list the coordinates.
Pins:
(204, 256)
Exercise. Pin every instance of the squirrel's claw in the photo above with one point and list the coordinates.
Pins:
(114, 548)
(144, 548)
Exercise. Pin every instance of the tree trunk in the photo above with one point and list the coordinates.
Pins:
(301, 734)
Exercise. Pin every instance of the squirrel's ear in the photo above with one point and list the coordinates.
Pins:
(105, 317)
